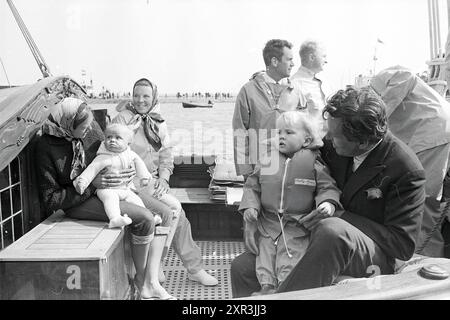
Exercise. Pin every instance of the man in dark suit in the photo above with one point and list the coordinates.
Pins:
(383, 194)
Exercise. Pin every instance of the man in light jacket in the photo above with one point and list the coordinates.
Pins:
(259, 102)
(313, 59)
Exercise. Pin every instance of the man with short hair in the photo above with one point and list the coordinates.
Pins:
(383, 193)
(313, 59)
(260, 101)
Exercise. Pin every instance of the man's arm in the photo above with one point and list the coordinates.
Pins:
(404, 209)
(240, 123)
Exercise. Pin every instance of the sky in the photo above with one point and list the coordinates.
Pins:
(209, 45)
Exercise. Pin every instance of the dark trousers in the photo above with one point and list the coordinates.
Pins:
(92, 209)
(336, 248)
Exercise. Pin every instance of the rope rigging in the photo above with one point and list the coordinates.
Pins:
(33, 47)
(4, 70)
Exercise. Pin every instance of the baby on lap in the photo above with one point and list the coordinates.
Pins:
(115, 155)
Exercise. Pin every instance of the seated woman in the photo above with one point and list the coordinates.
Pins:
(67, 146)
(151, 143)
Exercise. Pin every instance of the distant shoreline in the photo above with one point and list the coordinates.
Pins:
(163, 100)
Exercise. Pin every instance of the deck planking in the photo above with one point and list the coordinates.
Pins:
(192, 195)
(61, 239)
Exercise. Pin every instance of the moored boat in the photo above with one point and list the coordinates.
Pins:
(197, 105)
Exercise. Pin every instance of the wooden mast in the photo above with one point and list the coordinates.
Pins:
(448, 13)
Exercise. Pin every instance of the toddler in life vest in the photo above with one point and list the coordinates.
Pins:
(286, 185)
(115, 154)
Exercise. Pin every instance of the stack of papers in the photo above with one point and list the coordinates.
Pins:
(218, 193)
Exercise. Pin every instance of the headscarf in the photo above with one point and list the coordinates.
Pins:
(60, 124)
(151, 129)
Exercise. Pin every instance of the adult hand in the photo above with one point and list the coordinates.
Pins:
(161, 187)
(250, 229)
(112, 180)
(323, 211)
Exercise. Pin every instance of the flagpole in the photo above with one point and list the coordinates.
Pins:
(375, 60)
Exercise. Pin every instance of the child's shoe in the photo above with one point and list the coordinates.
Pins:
(158, 219)
(119, 222)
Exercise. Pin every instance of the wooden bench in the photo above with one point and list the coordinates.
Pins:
(62, 258)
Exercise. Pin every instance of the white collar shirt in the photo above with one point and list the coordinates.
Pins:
(358, 160)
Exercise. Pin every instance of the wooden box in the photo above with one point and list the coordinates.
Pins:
(209, 220)
(63, 258)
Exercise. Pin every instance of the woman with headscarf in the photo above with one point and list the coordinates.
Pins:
(152, 144)
(68, 144)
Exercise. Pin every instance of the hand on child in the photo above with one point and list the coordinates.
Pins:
(161, 187)
(113, 180)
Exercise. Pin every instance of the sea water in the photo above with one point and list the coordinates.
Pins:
(195, 131)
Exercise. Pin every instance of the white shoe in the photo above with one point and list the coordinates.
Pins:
(161, 275)
(204, 278)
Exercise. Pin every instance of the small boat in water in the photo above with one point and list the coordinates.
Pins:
(197, 105)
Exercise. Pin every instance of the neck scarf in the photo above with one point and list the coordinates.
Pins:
(60, 124)
(150, 119)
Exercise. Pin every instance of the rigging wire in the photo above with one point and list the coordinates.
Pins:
(4, 70)
(29, 39)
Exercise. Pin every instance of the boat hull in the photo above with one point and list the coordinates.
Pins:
(196, 105)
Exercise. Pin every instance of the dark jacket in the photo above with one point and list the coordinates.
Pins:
(53, 165)
(384, 197)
